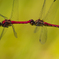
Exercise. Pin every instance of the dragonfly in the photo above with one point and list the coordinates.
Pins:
(8, 22)
(43, 22)
(5, 24)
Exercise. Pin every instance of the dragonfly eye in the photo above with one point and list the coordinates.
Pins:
(32, 22)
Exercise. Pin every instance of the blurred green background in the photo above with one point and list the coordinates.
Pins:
(27, 45)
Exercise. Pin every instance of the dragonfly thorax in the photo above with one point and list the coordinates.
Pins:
(39, 22)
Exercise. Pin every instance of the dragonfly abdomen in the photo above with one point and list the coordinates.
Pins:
(48, 24)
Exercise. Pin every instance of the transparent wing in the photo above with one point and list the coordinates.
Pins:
(2, 33)
(37, 28)
(3, 16)
(43, 34)
(42, 14)
(52, 11)
(15, 34)
(15, 10)
(13, 7)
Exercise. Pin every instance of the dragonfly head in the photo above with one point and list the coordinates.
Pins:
(6, 23)
(32, 22)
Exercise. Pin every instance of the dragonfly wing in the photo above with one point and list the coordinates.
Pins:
(43, 35)
(52, 11)
(15, 34)
(42, 14)
(15, 10)
(2, 33)
(37, 28)
(3, 16)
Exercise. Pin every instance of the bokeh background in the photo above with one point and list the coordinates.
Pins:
(27, 45)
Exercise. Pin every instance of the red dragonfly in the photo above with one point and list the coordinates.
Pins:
(48, 18)
(5, 24)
